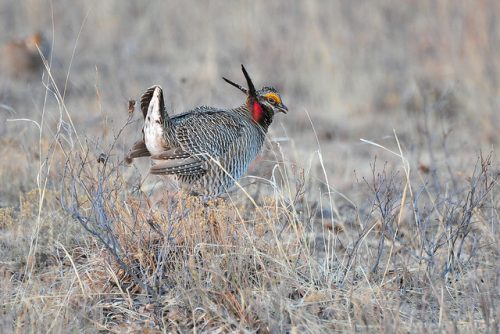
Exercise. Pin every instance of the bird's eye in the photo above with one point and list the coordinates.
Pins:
(271, 100)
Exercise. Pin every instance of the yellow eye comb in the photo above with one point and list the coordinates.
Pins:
(273, 96)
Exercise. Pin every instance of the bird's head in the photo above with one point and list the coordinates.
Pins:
(263, 103)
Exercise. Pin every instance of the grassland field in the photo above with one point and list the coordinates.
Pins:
(374, 206)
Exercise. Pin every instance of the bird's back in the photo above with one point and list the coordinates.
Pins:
(227, 147)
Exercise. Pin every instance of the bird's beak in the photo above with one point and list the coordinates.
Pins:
(283, 108)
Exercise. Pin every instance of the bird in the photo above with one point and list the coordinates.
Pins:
(21, 58)
(208, 149)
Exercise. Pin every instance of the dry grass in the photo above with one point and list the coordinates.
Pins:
(394, 233)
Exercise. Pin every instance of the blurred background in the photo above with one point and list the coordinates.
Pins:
(346, 70)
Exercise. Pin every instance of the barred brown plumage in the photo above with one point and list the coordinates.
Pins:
(207, 148)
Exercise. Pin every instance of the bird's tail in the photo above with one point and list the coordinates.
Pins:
(152, 103)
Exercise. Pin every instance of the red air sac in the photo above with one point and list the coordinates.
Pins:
(257, 111)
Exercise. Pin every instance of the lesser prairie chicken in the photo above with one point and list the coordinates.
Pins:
(21, 59)
(207, 148)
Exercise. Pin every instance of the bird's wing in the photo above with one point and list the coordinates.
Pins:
(176, 161)
(138, 150)
(209, 134)
(202, 136)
